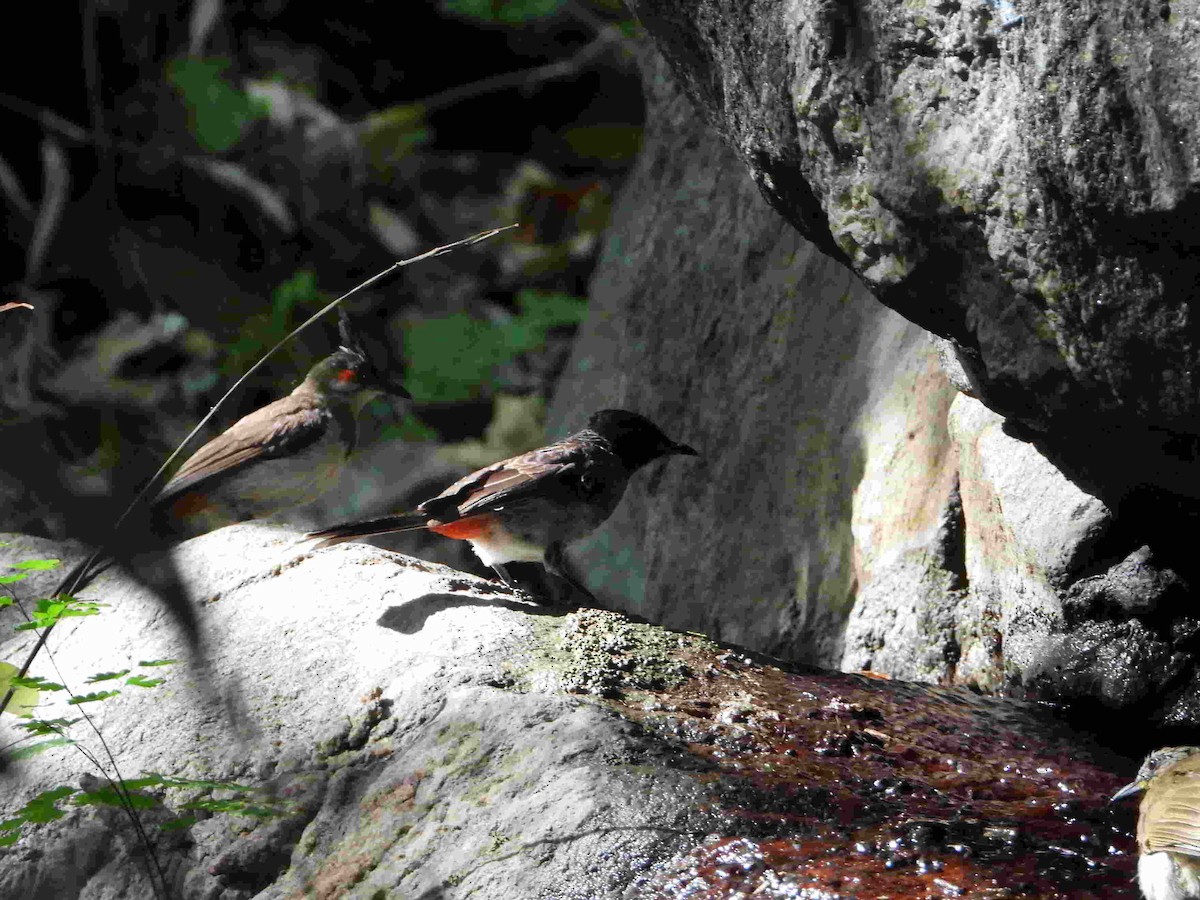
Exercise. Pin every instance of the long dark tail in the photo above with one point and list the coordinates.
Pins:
(351, 530)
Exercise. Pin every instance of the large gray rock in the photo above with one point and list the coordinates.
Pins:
(382, 702)
(818, 414)
(860, 501)
(423, 734)
(1021, 181)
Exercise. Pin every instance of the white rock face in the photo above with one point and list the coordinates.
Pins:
(383, 703)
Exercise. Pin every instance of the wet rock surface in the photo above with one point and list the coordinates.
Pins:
(422, 734)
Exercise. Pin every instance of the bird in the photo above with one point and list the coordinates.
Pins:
(282, 455)
(529, 507)
(1168, 829)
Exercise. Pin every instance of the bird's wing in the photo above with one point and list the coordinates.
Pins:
(281, 428)
(1170, 814)
(509, 481)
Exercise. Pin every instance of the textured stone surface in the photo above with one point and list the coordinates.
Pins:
(805, 398)
(423, 736)
(848, 510)
(1023, 184)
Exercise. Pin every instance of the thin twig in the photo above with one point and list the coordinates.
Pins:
(522, 77)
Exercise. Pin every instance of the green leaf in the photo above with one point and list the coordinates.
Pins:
(38, 683)
(47, 726)
(240, 807)
(609, 142)
(454, 358)
(200, 784)
(35, 749)
(106, 676)
(143, 681)
(505, 12)
(218, 113)
(43, 807)
(24, 698)
(158, 662)
(92, 698)
(393, 133)
(299, 290)
(48, 611)
(38, 565)
(109, 796)
(12, 579)
(176, 824)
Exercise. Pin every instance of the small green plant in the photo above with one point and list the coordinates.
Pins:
(129, 794)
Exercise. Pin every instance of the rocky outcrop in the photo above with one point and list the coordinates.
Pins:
(1019, 179)
(402, 730)
(1003, 504)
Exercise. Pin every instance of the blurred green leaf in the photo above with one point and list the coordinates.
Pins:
(35, 749)
(10, 579)
(24, 698)
(393, 133)
(38, 565)
(106, 676)
(299, 290)
(109, 796)
(219, 113)
(37, 683)
(454, 358)
(43, 807)
(143, 681)
(92, 698)
(261, 331)
(609, 142)
(47, 612)
(47, 726)
(410, 429)
(157, 662)
(506, 12)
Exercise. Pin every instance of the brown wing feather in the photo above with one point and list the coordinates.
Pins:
(505, 482)
(279, 428)
(1170, 814)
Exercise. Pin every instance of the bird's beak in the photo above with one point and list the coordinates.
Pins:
(1128, 791)
(683, 450)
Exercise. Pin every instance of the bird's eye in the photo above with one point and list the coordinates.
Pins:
(588, 483)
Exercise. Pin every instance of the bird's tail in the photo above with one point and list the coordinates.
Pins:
(348, 532)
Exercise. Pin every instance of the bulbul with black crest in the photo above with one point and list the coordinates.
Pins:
(529, 507)
(283, 455)
(1168, 829)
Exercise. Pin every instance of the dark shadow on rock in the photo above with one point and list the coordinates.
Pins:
(410, 618)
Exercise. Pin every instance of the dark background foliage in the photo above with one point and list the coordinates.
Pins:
(183, 185)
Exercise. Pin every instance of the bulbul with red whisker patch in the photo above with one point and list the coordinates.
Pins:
(283, 455)
(529, 507)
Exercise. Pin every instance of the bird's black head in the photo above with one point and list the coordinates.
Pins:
(349, 372)
(635, 438)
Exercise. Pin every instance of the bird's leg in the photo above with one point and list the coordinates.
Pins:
(556, 564)
(505, 577)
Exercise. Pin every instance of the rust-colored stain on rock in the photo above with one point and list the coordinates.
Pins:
(842, 786)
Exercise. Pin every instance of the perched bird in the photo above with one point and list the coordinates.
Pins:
(284, 454)
(529, 507)
(1168, 830)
